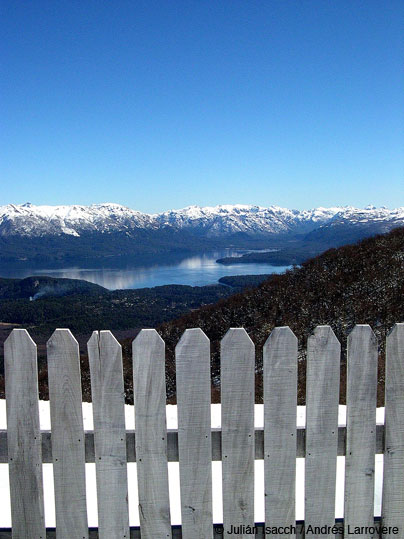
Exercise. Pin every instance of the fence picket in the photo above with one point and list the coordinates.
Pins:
(361, 429)
(280, 400)
(151, 434)
(195, 445)
(393, 475)
(67, 435)
(194, 434)
(24, 439)
(237, 397)
(322, 397)
(107, 391)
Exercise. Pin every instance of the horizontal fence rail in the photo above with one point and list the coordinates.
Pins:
(172, 444)
(237, 444)
(217, 531)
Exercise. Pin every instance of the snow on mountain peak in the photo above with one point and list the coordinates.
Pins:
(31, 220)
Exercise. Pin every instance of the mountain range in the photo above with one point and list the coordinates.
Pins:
(57, 235)
(30, 220)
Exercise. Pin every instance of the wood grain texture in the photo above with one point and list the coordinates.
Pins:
(280, 401)
(237, 395)
(107, 391)
(322, 396)
(393, 475)
(172, 444)
(361, 429)
(194, 434)
(24, 438)
(67, 435)
(151, 434)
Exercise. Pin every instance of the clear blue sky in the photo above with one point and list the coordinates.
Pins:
(163, 104)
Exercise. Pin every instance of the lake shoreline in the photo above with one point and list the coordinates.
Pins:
(200, 269)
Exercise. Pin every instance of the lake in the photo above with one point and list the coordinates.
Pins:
(196, 270)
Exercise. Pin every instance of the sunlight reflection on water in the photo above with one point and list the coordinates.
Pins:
(195, 270)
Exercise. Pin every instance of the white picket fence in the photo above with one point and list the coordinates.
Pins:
(237, 444)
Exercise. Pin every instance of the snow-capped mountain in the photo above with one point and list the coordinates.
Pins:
(351, 224)
(230, 219)
(30, 220)
(36, 221)
(50, 236)
(369, 214)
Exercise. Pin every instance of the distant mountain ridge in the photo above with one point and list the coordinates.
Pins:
(36, 221)
(29, 220)
(111, 235)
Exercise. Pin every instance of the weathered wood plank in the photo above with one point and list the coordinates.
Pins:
(393, 475)
(280, 401)
(24, 439)
(67, 435)
(237, 396)
(322, 396)
(361, 429)
(172, 444)
(149, 385)
(107, 391)
(194, 434)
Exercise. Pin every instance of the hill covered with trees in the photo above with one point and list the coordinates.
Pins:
(362, 283)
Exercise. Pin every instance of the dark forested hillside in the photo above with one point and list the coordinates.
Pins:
(104, 309)
(355, 284)
(239, 282)
(90, 307)
(36, 287)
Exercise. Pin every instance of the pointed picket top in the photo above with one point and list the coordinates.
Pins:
(105, 343)
(108, 338)
(93, 344)
(395, 332)
(20, 336)
(21, 350)
(192, 336)
(322, 336)
(104, 350)
(361, 340)
(324, 331)
(62, 337)
(236, 337)
(94, 339)
(147, 337)
(364, 330)
(279, 335)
